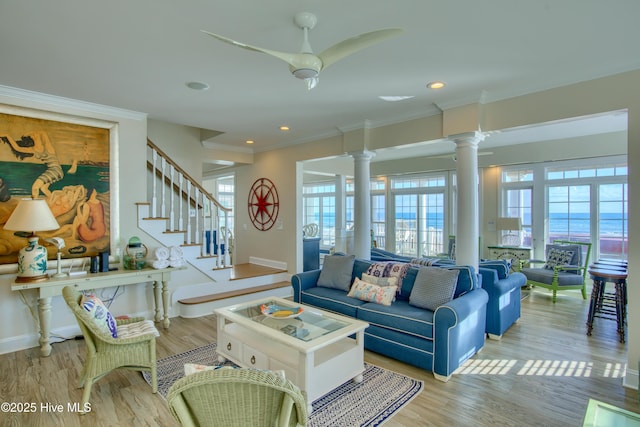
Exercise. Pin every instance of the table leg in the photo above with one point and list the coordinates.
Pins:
(593, 305)
(44, 311)
(165, 303)
(156, 298)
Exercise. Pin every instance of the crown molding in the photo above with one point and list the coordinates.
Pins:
(28, 95)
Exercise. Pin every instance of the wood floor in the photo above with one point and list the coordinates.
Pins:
(541, 373)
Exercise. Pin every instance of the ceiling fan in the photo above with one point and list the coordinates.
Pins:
(307, 66)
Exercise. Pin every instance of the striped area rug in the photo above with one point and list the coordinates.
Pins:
(377, 398)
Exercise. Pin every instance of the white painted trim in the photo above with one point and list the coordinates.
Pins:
(268, 262)
(27, 95)
(631, 379)
(23, 342)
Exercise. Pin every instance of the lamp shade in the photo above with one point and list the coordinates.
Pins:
(509, 223)
(32, 215)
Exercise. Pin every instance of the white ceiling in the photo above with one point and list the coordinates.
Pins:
(139, 54)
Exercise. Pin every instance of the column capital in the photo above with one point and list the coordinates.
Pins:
(473, 138)
(362, 154)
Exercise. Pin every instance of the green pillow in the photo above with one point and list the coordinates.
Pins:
(336, 272)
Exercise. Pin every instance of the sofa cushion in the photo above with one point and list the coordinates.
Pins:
(433, 287)
(544, 275)
(399, 316)
(379, 281)
(331, 299)
(372, 293)
(336, 272)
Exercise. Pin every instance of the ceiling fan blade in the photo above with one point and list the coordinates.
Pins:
(291, 58)
(354, 44)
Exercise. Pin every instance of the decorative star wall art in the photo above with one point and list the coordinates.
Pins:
(264, 204)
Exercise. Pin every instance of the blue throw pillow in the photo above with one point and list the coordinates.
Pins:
(433, 287)
(336, 272)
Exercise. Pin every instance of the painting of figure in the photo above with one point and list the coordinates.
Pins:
(67, 165)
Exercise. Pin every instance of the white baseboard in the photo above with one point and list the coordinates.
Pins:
(268, 262)
(63, 333)
(630, 379)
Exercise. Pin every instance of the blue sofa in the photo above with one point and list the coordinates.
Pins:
(438, 341)
(503, 288)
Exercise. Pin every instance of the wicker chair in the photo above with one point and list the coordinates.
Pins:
(237, 397)
(105, 353)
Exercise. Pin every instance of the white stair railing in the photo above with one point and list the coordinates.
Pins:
(206, 219)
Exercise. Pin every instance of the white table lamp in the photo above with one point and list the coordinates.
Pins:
(510, 224)
(32, 215)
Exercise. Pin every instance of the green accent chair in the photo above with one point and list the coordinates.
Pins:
(565, 267)
(236, 398)
(105, 353)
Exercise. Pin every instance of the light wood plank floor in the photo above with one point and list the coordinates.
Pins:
(496, 388)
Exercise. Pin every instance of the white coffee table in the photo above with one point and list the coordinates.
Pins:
(314, 349)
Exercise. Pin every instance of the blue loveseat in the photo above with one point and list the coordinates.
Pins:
(438, 341)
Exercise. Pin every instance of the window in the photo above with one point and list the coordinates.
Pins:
(319, 207)
(419, 213)
(583, 200)
(223, 190)
(517, 201)
(613, 215)
(377, 188)
(569, 208)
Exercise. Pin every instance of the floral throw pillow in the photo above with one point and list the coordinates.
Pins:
(380, 281)
(372, 293)
(557, 257)
(100, 314)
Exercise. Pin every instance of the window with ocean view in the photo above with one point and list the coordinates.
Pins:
(584, 200)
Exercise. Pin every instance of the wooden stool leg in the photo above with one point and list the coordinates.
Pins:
(596, 293)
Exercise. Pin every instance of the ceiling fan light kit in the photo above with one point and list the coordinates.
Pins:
(307, 66)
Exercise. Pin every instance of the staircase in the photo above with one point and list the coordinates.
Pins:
(182, 213)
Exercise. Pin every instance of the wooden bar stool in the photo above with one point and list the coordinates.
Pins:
(607, 305)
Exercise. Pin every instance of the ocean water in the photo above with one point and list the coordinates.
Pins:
(18, 176)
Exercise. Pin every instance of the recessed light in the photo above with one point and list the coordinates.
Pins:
(395, 98)
(436, 85)
(197, 85)
(249, 141)
(284, 128)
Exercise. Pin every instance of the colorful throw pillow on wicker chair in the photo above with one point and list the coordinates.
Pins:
(99, 314)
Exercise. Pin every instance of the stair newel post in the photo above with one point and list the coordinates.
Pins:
(180, 198)
(163, 165)
(187, 237)
(172, 171)
(154, 198)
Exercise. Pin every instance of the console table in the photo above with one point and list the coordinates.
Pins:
(53, 287)
(515, 253)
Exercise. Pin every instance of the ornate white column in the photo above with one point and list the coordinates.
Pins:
(467, 210)
(362, 204)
